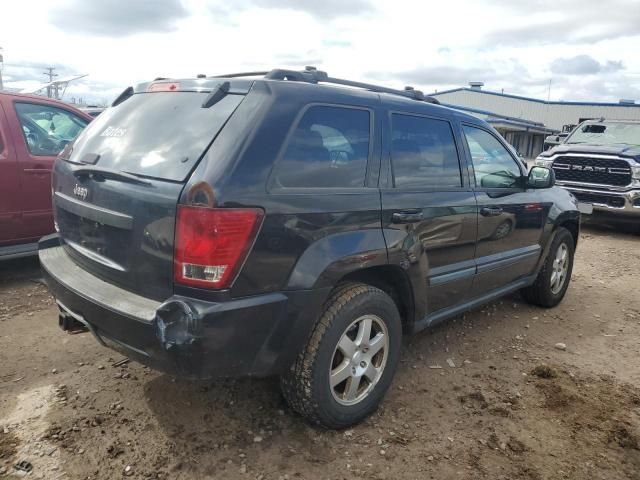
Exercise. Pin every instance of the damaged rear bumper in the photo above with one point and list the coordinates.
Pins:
(258, 335)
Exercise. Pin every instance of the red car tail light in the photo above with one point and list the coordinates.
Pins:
(212, 244)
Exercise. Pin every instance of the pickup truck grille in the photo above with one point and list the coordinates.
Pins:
(602, 171)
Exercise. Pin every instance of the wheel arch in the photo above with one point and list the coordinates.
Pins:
(573, 225)
(569, 222)
(392, 280)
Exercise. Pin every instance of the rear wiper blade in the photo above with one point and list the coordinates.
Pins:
(91, 170)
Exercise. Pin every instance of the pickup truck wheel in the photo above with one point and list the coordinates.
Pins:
(346, 367)
(554, 276)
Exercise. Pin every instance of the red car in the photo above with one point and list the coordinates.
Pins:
(33, 130)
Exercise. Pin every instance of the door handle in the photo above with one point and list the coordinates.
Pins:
(407, 216)
(490, 211)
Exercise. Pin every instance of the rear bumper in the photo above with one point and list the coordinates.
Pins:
(623, 206)
(258, 335)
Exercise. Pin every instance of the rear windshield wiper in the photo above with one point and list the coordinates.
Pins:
(92, 170)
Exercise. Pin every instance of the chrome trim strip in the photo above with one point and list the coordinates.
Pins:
(630, 194)
(93, 212)
(599, 186)
(590, 155)
(620, 171)
(96, 257)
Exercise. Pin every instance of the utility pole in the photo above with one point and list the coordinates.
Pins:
(51, 76)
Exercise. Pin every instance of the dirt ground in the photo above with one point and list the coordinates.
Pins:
(488, 395)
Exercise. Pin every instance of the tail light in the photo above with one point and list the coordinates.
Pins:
(212, 244)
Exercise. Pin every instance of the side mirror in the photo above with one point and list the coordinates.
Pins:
(541, 177)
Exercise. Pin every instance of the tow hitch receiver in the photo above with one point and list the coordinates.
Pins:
(69, 324)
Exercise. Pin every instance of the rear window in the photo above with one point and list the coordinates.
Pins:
(158, 135)
(328, 149)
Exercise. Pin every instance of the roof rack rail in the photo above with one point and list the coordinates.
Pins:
(241, 74)
(313, 75)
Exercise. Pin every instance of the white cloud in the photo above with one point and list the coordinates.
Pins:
(584, 65)
(117, 17)
(430, 45)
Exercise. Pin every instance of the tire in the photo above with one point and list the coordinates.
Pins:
(542, 292)
(306, 385)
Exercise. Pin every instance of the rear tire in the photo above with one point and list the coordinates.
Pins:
(344, 371)
(555, 275)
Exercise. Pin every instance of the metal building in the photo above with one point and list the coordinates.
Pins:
(543, 117)
(526, 136)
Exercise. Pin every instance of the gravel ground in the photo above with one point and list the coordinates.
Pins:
(505, 392)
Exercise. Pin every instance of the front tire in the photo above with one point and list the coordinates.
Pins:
(344, 371)
(553, 279)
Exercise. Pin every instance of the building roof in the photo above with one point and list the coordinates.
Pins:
(519, 126)
(536, 100)
(496, 119)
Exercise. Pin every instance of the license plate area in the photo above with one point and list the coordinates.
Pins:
(585, 208)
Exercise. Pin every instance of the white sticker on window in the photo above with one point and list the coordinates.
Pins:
(114, 132)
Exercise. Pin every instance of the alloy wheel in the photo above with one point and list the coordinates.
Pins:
(359, 360)
(559, 268)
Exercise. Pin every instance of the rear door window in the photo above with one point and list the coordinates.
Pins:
(424, 154)
(328, 149)
(160, 135)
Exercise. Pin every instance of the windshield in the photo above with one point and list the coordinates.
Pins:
(161, 135)
(603, 133)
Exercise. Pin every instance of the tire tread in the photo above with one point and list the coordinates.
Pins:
(297, 384)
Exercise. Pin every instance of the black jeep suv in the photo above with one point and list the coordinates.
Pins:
(287, 225)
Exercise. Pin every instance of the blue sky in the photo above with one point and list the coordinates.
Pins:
(588, 49)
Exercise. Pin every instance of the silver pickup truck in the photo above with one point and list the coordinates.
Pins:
(599, 163)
